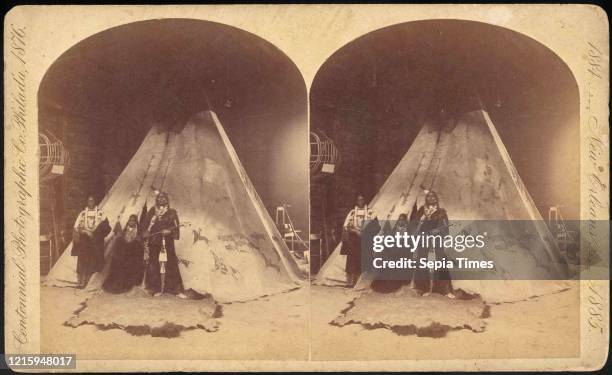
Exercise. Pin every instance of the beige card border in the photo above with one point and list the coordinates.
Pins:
(308, 34)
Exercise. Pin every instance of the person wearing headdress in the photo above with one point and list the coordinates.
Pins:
(90, 229)
(127, 264)
(161, 230)
(431, 220)
(355, 222)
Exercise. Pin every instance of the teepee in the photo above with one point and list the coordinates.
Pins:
(229, 246)
(468, 166)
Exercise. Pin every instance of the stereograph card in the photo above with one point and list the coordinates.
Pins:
(306, 188)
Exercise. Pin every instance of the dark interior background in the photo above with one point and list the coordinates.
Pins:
(372, 96)
(102, 96)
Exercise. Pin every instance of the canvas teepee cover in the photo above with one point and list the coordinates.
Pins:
(468, 166)
(228, 247)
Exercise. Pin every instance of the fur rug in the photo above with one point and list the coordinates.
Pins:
(138, 313)
(406, 313)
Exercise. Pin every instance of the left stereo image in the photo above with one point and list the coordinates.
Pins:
(174, 196)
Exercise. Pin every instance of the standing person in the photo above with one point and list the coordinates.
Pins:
(432, 220)
(351, 239)
(161, 230)
(386, 280)
(127, 265)
(402, 225)
(90, 229)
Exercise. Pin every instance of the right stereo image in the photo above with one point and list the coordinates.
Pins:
(445, 196)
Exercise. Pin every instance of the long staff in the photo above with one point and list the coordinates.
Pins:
(163, 258)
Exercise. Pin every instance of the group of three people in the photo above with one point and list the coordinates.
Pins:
(143, 253)
(429, 219)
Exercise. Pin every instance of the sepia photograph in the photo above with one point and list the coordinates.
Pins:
(306, 187)
(173, 194)
(438, 122)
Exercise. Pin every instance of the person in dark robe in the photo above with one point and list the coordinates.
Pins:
(354, 223)
(382, 283)
(402, 225)
(90, 229)
(161, 230)
(431, 219)
(127, 264)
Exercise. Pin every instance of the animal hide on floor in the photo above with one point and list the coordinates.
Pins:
(140, 314)
(407, 313)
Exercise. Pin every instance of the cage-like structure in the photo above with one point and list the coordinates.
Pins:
(54, 157)
(323, 153)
